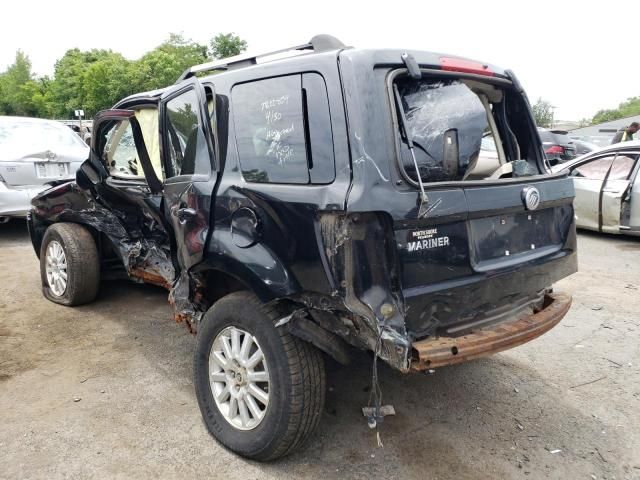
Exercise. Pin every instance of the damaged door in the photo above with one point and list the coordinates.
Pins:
(121, 173)
(588, 180)
(189, 147)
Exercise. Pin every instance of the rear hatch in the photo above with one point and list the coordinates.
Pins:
(482, 246)
(34, 152)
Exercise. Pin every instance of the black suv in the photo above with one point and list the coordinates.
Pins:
(310, 204)
(558, 146)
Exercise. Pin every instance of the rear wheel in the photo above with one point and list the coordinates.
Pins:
(260, 390)
(69, 264)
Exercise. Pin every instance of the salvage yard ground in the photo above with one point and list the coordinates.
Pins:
(105, 391)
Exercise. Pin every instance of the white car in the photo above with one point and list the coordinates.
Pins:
(34, 152)
(607, 188)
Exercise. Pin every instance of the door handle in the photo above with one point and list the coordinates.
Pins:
(185, 214)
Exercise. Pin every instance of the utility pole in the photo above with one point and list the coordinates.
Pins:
(80, 114)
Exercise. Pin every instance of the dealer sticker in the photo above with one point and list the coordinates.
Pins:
(426, 240)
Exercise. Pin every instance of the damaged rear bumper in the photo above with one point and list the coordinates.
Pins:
(441, 351)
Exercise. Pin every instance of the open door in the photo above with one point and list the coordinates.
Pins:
(189, 151)
(614, 192)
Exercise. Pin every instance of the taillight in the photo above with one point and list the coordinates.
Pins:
(555, 149)
(451, 64)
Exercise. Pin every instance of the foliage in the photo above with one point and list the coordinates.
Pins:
(20, 94)
(543, 113)
(627, 108)
(94, 80)
(226, 45)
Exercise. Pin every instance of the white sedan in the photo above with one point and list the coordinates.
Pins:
(607, 188)
(34, 152)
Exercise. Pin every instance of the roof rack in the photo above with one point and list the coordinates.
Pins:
(319, 43)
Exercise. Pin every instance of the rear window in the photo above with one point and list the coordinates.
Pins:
(445, 119)
(546, 136)
(562, 138)
(451, 123)
(38, 135)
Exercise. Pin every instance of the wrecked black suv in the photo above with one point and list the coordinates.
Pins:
(301, 206)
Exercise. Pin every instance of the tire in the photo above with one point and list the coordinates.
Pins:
(296, 387)
(82, 264)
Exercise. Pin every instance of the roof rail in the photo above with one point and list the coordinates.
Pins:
(319, 43)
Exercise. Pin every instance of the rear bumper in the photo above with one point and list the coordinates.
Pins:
(16, 201)
(441, 351)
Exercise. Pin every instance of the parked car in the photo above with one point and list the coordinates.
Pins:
(607, 188)
(312, 204)
(33, 152)
(558, 146)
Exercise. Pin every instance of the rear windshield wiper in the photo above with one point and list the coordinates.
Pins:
(404, 130)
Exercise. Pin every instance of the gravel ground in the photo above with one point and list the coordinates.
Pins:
(105, 391)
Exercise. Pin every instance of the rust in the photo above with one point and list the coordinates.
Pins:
(183, 317)
(441, 351)
(150, 277)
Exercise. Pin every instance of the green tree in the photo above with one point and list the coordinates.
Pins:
(543, 113)
(163, 65)
(106, 81)
(17, 87)
(226, 45)
(628, 108)
(96, 79)
(67, 91)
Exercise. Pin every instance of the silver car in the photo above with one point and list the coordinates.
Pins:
(607, 186)
(34, 152)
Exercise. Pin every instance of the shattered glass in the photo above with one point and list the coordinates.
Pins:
(437, 112)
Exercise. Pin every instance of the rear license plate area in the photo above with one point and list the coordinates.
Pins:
(51, 169)
(501, 236)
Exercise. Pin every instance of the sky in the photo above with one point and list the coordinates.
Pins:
(580, 56)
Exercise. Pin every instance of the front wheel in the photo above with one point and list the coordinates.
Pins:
(260, 390)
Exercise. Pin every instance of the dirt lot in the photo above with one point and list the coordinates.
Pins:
(105, 391)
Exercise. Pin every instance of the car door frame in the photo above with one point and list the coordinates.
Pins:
(609, 195)
(187, 198)
(597, 223)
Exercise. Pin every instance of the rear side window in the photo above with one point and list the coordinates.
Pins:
(595, 170)
(621, 168)
(283, 130)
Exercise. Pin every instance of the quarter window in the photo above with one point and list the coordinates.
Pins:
(283, 130)
(186, 145)
(621, 168)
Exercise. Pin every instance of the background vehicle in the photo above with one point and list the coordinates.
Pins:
(558, 146)
(583, 147)
(607, 188)
(287, 217)
(33, 152)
